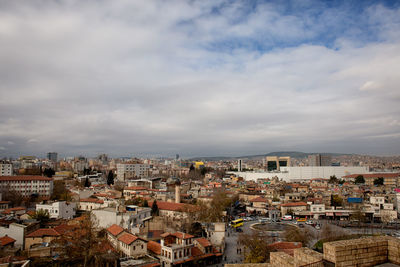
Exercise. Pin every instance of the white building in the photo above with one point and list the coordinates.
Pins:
(303, 173)
(127, 171)
(132, 219)
(27, 185)
(59, 209)
(6, 169)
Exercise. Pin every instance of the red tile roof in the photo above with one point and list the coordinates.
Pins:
(8, 211)
(92, 200)
(259, 199)
(127, 238)
(25, 178)
(203, 242)
(196, 252)
(44, 232)
(115, 229)
(182, 235)
(6, 240)
(171, 206)
(154, 247)
(294, 204)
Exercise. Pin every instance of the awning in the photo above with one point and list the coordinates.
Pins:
(329, 214)
(342, 214)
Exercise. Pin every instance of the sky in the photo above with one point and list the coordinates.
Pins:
(199, 78)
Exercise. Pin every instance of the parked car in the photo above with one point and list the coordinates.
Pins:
(309, 222)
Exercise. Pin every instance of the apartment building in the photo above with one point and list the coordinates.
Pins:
(59, 209)
(27, 185)
(128, 171)
(6, 169)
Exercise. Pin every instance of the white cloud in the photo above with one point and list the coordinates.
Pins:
(158, 77)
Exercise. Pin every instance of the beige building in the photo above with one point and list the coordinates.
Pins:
(275, 163)
(293, 207)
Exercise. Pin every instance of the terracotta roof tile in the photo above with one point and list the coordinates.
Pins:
(44, 232)
(154, 247)
(162, 205)
(196, 252)
(182, 235)
(127, 238)
(115, 229)
(5, 240)
(92, 200)
(203, 242)
(259, 199)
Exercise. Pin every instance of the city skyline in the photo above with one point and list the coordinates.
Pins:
(199, 78)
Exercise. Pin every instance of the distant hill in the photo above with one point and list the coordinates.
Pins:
(292, 154)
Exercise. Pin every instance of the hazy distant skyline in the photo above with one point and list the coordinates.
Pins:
(199, 78)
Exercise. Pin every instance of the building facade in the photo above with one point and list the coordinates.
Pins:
(59, 209)
(27, 185)
(128, 171)
(6, 169)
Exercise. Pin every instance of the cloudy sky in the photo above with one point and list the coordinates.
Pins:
(208, 77)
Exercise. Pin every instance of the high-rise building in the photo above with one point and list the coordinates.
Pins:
(319, 160)
(240, 165)
(52, 156)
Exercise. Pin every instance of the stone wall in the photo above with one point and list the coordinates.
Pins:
(357, 252)
(281, 259)
(304, 256)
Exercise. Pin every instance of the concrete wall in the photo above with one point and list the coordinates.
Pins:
(16, 231)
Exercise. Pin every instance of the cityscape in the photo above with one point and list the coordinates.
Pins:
(199, 133)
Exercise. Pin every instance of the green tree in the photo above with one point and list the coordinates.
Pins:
(60, 192)
(154, 208)
(295, 234)
(110, 178)
(42, 216)
(336, 200)
(333, 180)
(359, 179)
(257, 249)
(49, 172)
(87, 182)
(378, 181)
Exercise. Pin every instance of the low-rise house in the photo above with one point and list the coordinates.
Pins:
(128, 244)
(293, 207)
(113, 233)
(89, 204)
(175, 247)
(6, 242)
(41, 236)
(132, 246)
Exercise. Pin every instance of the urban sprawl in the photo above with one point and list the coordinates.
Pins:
(271, 210)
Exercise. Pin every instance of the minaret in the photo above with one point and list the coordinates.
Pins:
(178, 192)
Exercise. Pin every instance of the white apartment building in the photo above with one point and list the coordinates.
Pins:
(27, 185)
(6, 169)
(59, 209)
(128, 171)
